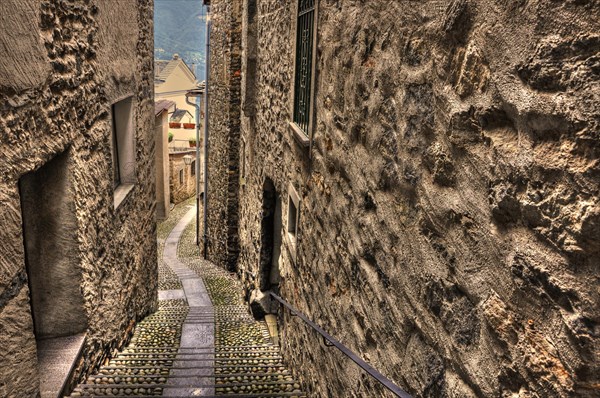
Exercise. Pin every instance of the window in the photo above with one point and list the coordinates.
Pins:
(122, 148)
(181, 177)
(303, 78)
(193, 168)
(292, 220)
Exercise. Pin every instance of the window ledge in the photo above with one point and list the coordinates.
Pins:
(299, 135)
(121, 193)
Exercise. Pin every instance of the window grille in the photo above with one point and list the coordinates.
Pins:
(304, 54)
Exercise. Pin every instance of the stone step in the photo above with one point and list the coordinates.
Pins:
(257, 395)
(130, 371)
(225, 369)
(141, 379)
(232, 394)
(217, 361)
(192, 356)
(100, 383)
(216, 349)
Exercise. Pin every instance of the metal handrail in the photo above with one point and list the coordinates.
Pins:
(330, 341)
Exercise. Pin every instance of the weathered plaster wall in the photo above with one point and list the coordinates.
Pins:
(73, 60)
(450, 225)
(224, 122)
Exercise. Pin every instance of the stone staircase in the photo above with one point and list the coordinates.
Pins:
(247, 363)
(163, 359)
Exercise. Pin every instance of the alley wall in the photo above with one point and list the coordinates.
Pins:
(224, 144)
(449, 226)
(64, 63)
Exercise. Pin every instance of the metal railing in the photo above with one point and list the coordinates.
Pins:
(330, 341)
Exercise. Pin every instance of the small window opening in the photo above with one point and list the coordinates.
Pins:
(122, 143)
(292, 219)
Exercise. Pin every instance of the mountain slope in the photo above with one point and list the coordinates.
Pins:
(179, 28)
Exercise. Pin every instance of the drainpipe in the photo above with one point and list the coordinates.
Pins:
(197, 164)
(206, 120)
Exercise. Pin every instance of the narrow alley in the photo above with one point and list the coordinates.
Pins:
(300, 198)
(202, 341)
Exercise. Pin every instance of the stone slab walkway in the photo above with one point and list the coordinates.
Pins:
(202, 342)
(193, 368)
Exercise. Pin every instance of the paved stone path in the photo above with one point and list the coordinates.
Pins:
(202, 342)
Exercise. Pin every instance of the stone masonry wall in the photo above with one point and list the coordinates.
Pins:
(179, 191)
(64, 63)
(224, 132)
(449, 220)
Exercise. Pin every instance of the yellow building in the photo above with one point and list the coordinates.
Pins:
(172, 80)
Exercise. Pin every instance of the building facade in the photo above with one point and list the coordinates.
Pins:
(419, 178)
(173, 79)
(78, 241)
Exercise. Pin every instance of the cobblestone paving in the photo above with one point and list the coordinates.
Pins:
(167, 279)
(246, 362)
(143, 367)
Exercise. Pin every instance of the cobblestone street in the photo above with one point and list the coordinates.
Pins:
(202, 341)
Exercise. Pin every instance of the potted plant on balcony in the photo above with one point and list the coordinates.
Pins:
(192, 141)
(174, 125)
(170, 136)
(189, 126)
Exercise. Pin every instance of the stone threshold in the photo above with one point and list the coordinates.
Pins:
(56, 358)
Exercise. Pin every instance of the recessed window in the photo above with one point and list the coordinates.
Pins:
(292, 220)
(193, 168)
(122, 148)
(303, 77)
(181, 176)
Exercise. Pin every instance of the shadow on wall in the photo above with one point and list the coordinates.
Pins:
(270, 252)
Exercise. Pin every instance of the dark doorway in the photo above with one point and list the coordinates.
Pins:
(270, 249)
(49, 229)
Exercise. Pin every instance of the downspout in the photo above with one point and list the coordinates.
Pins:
(197, 164)
(206, 121)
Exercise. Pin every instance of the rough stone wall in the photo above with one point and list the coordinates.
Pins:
(449, 219)
(65, 63)
(179, 191)
(224, 139)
